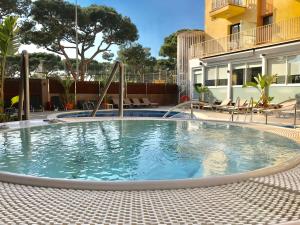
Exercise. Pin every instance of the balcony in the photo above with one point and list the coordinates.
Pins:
(227, 8)
(283, 31)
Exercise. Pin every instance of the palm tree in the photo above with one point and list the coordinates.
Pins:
(201, 89)
(262, 84)
(67, 83)
(8, 46)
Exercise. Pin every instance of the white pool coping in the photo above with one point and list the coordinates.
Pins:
(136, 185)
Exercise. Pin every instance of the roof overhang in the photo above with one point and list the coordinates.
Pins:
(268, 51)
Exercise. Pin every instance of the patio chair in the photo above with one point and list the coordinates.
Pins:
(36, 104)
(115, 102)
(151, 104)
(286, 108)
(127, 102)
(224, 103)
(88, 105)
(56, 103)
(283, 109)
(137, 103)
(239, 106)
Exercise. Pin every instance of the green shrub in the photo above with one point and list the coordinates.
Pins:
(4, 118)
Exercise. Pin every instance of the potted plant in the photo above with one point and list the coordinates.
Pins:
(104, 104)
(201, 89)
(262, 84)
(68, 98)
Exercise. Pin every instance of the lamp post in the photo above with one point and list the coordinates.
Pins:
(77, 61)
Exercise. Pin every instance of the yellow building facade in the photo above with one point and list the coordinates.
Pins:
(244, 38)
(220, 15)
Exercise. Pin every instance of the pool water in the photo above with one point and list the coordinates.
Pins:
(140, 150)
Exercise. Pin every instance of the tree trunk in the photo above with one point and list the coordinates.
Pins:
(82, 70)
(202, 97)
(2, 73)
(71, 71)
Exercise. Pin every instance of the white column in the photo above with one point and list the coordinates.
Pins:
(203, 75)
(229, 84)
(264, 65)
(264, 68)
(189, 84)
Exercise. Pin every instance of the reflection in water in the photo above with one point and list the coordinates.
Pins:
(140, 150)
(215, 163)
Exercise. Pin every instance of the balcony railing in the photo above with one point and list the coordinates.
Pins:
(282, 31)
(218, 4)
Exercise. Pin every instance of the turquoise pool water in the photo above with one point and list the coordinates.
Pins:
(140, 150)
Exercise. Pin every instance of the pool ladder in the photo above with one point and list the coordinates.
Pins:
(248, 110)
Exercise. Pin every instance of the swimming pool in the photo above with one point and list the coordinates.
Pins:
(135, 150)
(127, 113)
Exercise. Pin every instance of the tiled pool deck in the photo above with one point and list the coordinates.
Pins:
(273, 199)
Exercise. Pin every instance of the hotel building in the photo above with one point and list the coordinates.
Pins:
(241, 39)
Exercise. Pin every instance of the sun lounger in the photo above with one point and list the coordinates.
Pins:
(239, 106)
(148, 103)
(116, 103)
(127, 102)
(224, 103)
(285, 108)
(137, 103)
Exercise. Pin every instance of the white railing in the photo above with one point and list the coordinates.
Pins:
(218, 4)
(282, 31)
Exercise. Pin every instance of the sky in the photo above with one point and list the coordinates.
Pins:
(155, 19)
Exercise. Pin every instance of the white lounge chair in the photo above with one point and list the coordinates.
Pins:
(286, 109)
(116, 103)
(148, 103)
(224, 103)
(137, 103)
(239, 106)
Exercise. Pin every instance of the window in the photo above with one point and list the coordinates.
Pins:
(238, 74)
(235, 36)
(211, 76)
(294, 69)
(198, 76)
(253, 70)
(278, 66)
(235, 28)
(237, 2)
(222, 76)
(267, 20)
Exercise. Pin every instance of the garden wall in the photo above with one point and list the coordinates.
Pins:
(41, 91)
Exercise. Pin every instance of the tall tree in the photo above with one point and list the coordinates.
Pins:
(48, 63)
(99, 70)
(17, 7)
(136, 57)
(53, 27)
(169, 50)
(8, 46)
(169, 47)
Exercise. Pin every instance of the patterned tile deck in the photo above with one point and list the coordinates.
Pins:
(267, 200)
